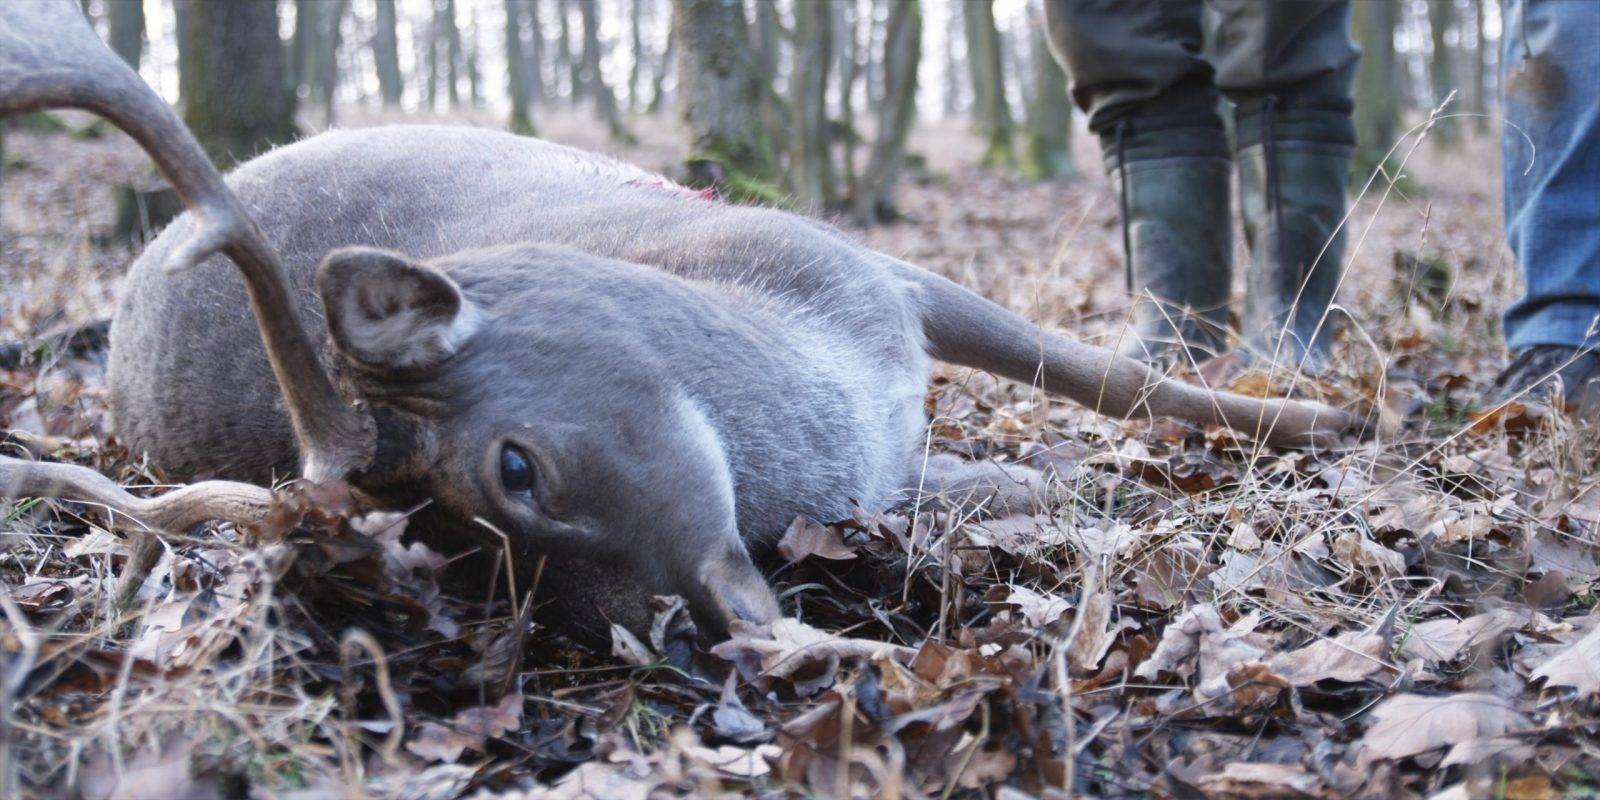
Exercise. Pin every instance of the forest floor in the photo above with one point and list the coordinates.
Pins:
(1183, 613)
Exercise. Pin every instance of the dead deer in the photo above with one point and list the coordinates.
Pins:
(640, 384)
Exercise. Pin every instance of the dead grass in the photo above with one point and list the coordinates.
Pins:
(1179, 612)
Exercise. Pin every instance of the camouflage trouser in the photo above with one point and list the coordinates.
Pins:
(1172, 57)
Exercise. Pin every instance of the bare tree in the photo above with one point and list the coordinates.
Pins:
(538, 87)
(1442, 66)
(304, 48)
(847, 45)
(518, 75)
(953, 66)
(991, 110)
(1482, 57)
(126, 35)
(720, 86)
(576, 89)
(1377, 109)
(1047, 138)
(605, 102)
(658, 82)
(231, 74)
(810, 159)
(469, 61)
(329, 23)
(386, 54)
(872, 197)
(635, 69)
(444, 22)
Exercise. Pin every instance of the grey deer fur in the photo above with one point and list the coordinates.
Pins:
(687, 376)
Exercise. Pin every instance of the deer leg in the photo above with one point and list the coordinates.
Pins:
(989, 488)
(963, 328)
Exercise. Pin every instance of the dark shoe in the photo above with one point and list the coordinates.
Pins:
(1293, 167)
(1172, 184)
(1537, 374)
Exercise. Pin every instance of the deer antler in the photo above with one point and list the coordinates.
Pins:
(174, 512)
(51, 58)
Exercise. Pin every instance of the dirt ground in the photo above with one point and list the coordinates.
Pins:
(1179, 612)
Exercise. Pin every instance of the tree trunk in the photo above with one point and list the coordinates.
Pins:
(1441, 68)
(470, 63)
(126, 35)
(1482, 53)
(605, 102)
(844, 132)
(669, 57)
(873, 197)
(1047, 141)
(636, 65)
(951, 94)
(519, 82)
(386, 54)
(721, 89)
(538, 87)
(1377, 109)
(810, 162)
(305, 48)
(444, 15)
(768, 49)
(428, 58)
(231, 76)
(872, 56)
(991, 110)
(329, 23)
(575, 86)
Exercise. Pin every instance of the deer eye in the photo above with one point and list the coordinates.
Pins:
(517, 472)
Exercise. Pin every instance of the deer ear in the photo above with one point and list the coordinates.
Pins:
(388, 313)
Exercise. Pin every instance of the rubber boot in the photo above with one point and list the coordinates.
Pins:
(1172, 183)
(1293, 167)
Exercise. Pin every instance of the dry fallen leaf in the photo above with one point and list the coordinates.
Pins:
(628, 648)
(785, 648)
(1348, 657)
(1244, 779)
(1095, 632)
(1577, 665)
(1038, 609)
(166, 774)
(1351, 547)
(1443, 639)
(468, 729)
(805, 538)
(1409, 724)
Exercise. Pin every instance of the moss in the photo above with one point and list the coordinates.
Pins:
(1001, 152)
(1365, 164)
(741, 173)
(94, 130)
(40, 122)
(706, 170)
(1045, 161)
(522, 126)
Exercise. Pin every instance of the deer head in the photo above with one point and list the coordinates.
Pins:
(393, 323)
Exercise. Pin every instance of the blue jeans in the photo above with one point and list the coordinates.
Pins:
(1550, 85)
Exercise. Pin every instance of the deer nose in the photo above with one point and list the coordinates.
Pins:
(731, 588)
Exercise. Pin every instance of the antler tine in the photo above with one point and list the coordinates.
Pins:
(51, 58)
(175, 512)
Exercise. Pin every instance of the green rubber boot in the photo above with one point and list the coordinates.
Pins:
(1293, 167)
(1172, 183)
